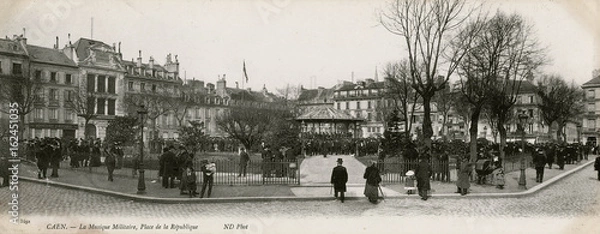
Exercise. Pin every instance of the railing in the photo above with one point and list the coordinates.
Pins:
(395, 171)
(257, 173)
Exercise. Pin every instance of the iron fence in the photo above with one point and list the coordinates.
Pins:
(256, 173)
(395, 171)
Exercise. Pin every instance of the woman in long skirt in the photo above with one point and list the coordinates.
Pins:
(373, 179)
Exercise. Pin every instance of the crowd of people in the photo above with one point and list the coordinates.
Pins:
(49, 152)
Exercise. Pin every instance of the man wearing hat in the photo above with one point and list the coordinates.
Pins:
(339, 177)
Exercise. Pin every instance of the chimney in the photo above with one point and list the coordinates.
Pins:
(237, 85)
(139, 59)
(264, 90)
(56, 45)
(69, 50)
(119, 47)
(151, 62)
(221, 85)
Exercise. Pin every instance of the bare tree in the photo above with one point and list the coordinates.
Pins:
(400, 94)
(23, 90)
(155, 104)
(426, 27)
(503, 53)
(246, 124)
(443, 102)
(559, 102)
(84, 105)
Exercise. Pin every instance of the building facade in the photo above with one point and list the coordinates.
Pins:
(101, 84)
(590, 130)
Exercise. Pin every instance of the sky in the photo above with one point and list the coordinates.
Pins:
(309, 42)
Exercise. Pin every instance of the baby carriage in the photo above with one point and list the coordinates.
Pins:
(483, 168)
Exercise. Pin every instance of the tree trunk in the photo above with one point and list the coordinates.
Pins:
(426, 128)
(473, 134)
(86, 133)
(502, 132)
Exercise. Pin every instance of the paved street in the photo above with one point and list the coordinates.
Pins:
(573, 199)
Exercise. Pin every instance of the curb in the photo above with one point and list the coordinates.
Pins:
(140, 198)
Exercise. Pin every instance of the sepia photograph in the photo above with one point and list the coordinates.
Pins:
(300, 116)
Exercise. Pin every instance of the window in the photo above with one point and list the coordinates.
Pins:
(358, 105)
(53, 112)
(91, 103)
(591, 124)
(53, 77)
(531, 99)
(111, 84)
(591, 94)
(591, 107)
(38, 75)
(68, 96)
(0, 67)
(358, 115)
(530, 113)
(68, 79)
(142, 87)
(91, 83)
(347, 105)
(369, 105)
(111, 106)
(338, 105)
(154, 88)
(130, 86)
(101, 104)
(101, 84)
(39, 113)
(369, 116)
(68, 115)
(53, 95)
(17, 69)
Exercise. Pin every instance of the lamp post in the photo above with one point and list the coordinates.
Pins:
(579, 151)
(141, 183)
(522, 121)
(357, 135)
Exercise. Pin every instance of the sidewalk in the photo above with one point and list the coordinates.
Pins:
(313, 188)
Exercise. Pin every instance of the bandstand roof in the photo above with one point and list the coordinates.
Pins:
(326, 113)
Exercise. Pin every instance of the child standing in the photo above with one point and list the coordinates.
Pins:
(409, 184)
(190, 176)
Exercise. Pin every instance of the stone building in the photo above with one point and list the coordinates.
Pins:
(102, 84)
(53, 81)
(158, 88)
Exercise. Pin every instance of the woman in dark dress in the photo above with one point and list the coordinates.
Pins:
(373, 180)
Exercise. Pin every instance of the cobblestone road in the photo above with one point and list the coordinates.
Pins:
(576, 197)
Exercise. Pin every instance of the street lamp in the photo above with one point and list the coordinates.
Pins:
(141, 183)
(579, 154)
(579, 127)
(521, 126)
(357, 134)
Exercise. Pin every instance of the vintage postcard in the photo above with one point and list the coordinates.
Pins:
(299, 116)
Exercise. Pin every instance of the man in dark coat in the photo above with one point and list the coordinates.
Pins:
(550, 153)
(339, 177)
(244, 159)
(560, 157)
(55, 156)
(43, 159)
(169, 166)
(423, 172)
(539, 161)
(110, 161)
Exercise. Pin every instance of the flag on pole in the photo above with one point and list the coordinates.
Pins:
(244, 69)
